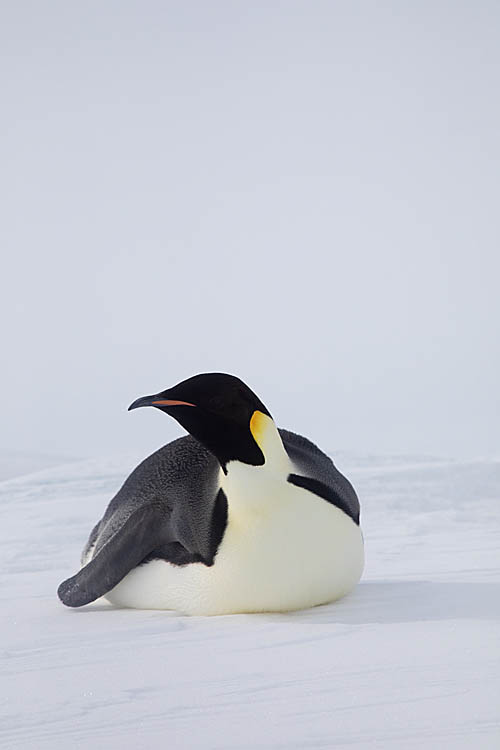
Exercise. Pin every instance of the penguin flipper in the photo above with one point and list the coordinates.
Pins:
(328, 492)
(317, 473)
(143, 531)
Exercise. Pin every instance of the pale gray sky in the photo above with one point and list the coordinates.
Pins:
(305, 194)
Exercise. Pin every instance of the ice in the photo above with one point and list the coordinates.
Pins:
(410, 660)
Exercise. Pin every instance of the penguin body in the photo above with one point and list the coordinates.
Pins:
(193, 532)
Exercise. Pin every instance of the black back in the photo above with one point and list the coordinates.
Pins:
(180, 479)
(170, 507)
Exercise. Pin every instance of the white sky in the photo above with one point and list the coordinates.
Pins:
(305, 194)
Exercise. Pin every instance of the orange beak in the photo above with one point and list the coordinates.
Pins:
(157, 401)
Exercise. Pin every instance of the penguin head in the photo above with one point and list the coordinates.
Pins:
(220, 411)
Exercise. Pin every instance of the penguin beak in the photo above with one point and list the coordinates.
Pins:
(157, 400)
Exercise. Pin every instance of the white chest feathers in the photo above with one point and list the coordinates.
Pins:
(284, 548)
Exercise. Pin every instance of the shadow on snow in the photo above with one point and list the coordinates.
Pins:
(410, 601)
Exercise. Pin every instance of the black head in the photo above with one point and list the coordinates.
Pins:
(216, 409)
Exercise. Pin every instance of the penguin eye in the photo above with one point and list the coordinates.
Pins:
(216, 403)
(232, 405)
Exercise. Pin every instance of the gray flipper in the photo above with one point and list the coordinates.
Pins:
(317, 473)
(170, 507)
(133, 541)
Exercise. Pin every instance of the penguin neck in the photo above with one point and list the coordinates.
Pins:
(247, 486)
(268, 439)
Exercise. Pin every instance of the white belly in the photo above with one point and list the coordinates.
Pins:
(283, 549)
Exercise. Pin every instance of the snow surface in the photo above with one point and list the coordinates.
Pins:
(18, 463)
(410, 660)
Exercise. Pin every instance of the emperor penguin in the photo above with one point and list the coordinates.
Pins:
(237, 516)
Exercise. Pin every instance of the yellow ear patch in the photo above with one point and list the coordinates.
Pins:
(268, 439)
(259, 423)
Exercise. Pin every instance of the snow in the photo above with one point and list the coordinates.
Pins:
(18, 463)
(410, 660)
